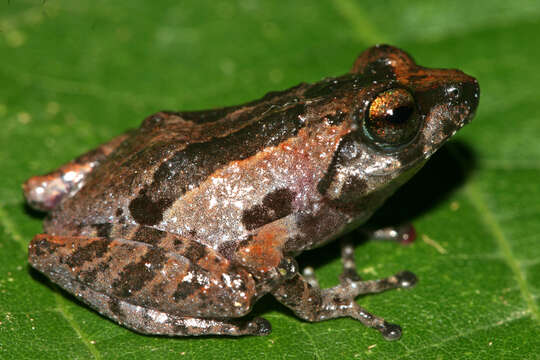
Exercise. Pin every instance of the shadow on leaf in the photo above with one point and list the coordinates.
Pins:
(434, 183)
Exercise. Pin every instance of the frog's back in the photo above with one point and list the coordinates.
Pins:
(181, 171)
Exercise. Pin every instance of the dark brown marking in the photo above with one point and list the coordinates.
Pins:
(37, 250)
(195, 251)
(283, 94)
(275, 205)
(103, 230)
(247, 111)
(207, 116)
(313, 226)
(147, 211)
(94, 250)
(180, 329)
(245, 243)
(178, 243)
(89, 276)
(326, 88)
(227, 249)
(135, 275)
(341, 156)
(119, 212)
(379, 70)
(340, 87)
(352, 189)
(185, 289)
(309, 225)
(148, 235)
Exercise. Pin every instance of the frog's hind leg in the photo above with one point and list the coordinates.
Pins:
(154, 322)
(303, 295)
(151, 281)
(46, 191)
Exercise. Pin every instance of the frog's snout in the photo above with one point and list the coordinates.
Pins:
(464, 95)
(449, 108)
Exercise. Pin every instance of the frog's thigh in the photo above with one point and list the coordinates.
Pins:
(45, 192)
(148, 288)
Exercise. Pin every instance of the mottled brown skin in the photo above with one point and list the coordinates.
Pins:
(178, 227)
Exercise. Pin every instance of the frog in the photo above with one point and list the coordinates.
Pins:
(180, 226)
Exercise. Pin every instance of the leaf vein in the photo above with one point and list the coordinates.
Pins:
(460, 334)
(488, 218)
(316, 353)
(491, 223)
(62, 310)
(363, 28)
(11, 229)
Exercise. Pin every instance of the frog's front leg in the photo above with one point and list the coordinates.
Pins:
(315, 304)
(303, 295)
(44, 192)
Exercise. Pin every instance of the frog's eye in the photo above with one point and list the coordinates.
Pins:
(392, 118)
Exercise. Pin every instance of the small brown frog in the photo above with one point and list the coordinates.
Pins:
(180, 226)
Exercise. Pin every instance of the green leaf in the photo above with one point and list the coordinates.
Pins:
(76, 73)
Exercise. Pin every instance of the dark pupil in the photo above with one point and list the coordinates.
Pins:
(399, 115)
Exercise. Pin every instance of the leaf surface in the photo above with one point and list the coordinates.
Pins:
(76, 73)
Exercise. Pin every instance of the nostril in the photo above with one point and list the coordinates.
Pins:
(465, 92)
(453, 92)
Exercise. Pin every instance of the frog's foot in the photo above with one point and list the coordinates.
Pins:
(403, 234)
(46, 191)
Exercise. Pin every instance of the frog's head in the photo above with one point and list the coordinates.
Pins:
(402, 114)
